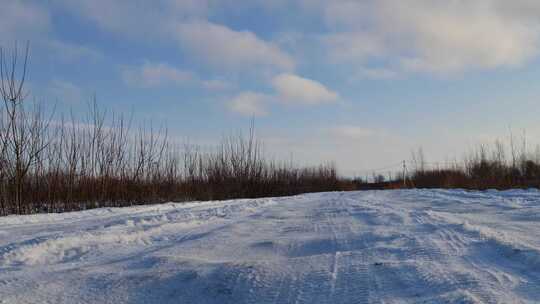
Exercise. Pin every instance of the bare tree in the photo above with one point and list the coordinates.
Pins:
(25, 136)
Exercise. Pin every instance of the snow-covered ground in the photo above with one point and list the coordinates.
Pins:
(410, 246)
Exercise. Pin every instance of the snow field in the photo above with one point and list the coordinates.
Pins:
(403, 246)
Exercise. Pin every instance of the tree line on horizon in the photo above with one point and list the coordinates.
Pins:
(57, 163)
(496, 166)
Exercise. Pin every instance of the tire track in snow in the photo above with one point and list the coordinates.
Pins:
(426, 269)
(452, 251)
(324, 270)
(487, 281)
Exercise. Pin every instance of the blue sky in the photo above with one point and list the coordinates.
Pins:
(360, 82)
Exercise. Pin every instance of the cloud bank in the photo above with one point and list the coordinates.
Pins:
(432, 36)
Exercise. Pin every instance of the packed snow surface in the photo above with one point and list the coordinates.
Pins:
(408, 246)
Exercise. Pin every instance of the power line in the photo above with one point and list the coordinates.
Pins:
(399, 166)
(392, 166)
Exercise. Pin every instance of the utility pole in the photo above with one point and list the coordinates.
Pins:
(404, 175)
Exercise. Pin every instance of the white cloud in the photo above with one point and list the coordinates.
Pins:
(289, 88)
(249, 104)
(451, 38)
(185, 23)
(415, 35)
(151, 75)
(154, 75)
(220, 46)
(295, 89)
(433, 36)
